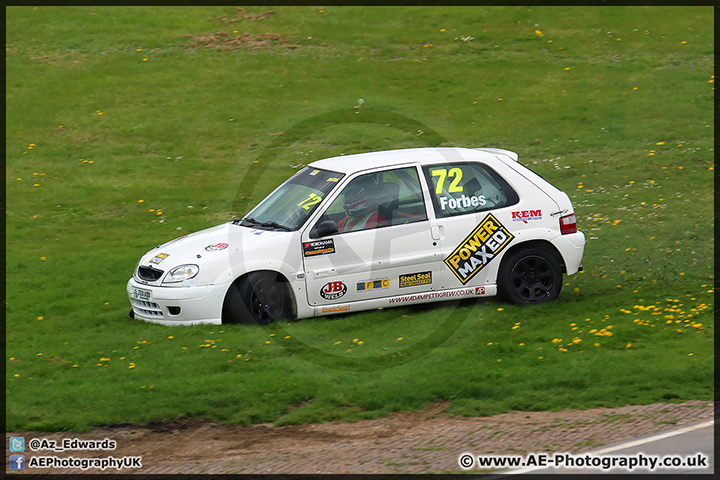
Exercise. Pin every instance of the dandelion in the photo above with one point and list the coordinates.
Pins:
(40, 318)
(338, 342)
(132, 365)
(400, 338)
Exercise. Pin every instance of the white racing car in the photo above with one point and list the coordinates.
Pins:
(372, 230)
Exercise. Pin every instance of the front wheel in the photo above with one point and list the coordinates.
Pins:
(530, 277)
(258, 297)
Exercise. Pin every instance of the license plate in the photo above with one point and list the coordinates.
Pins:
(141, 294)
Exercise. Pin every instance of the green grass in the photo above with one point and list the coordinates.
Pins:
(611, 104)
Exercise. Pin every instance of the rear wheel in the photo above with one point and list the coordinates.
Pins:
(530, 277)
(258, 297)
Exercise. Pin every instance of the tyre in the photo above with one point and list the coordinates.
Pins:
(530, 277)
(258, 297)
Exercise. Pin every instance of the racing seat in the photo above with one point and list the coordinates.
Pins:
(387, 199)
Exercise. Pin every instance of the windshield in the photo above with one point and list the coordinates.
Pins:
(291, 204)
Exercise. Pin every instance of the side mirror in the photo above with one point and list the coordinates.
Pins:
(323, 229)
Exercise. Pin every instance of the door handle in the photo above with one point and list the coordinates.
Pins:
(323, 273)
(437, 232)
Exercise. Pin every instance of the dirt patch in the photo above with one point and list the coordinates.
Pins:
(227, 41)
(424, 442)
(233, 41)
(241, 15)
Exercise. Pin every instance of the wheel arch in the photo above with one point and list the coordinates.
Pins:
(541, 244)
(280, 276)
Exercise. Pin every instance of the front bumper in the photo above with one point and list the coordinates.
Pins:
(177, 305)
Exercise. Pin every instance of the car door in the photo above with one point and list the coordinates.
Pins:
(469, 200)
(383, 245)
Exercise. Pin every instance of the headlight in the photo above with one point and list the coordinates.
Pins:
(181, 273)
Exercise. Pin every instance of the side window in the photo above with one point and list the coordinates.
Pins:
(467, 188)
(378, 199)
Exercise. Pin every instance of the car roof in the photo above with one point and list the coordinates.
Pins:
(349, 164)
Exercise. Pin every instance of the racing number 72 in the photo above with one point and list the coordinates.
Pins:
(443, 173)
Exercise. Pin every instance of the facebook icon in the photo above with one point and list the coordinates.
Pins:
(17, 462)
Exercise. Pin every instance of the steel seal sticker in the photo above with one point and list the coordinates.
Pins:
(319, 247)
(478, 249)
(216, 247)
(159, 258)
(415, 279)
(333, 290)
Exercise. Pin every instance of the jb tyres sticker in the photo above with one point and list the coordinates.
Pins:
(378, 284)
(333, 290)
(159, 258)
(216, 247)
(415, 279)
(483, 244)
(319, 247)
(525, 215)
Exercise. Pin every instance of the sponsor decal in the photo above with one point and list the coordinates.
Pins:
(320, 247)
(379, 284)
(415, 279)
(216, 247)
(159, 258)
(333, 179)
(339, 308)
(478, 249)
(463, 201)
(525, 215)
(255, 231)
(314, 172)
(333, 290)
(464, 292)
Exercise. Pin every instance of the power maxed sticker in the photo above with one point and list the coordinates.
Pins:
(478, 249)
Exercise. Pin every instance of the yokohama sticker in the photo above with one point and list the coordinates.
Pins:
(216, 247)
(320, 247)
(333, 290)
(478, 249)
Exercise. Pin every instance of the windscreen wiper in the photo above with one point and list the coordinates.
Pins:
(253, 222)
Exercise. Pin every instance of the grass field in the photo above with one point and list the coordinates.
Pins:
(129, 126)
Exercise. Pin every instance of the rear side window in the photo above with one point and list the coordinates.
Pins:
(460, 188)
